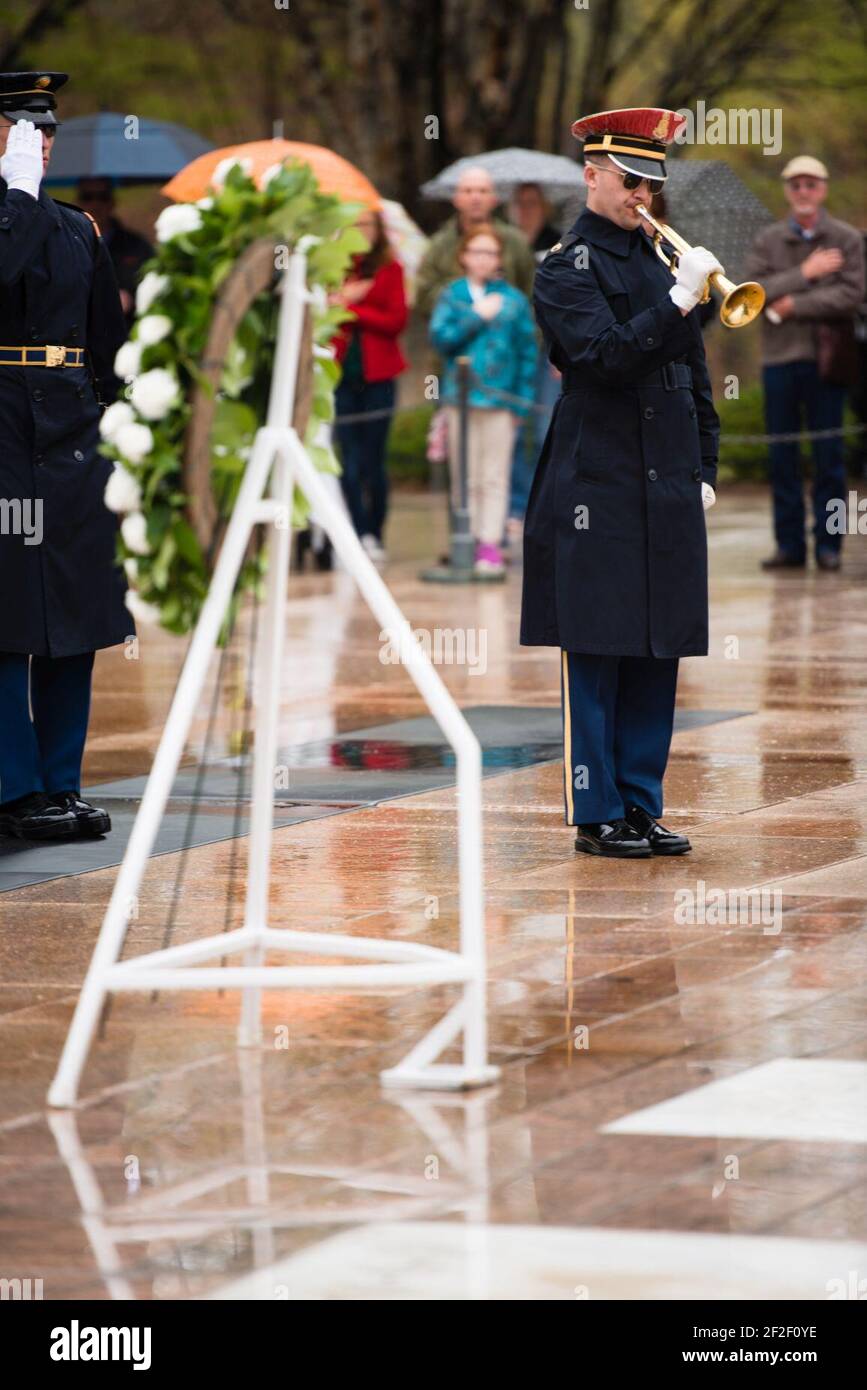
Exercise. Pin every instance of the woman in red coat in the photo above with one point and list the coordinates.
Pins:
(367, 348)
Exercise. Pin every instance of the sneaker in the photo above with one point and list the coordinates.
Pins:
(489, 562)
(374, 549)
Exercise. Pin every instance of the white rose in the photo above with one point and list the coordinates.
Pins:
(154, 393)
(133, 528)
(218, 178)
(151, 286)
(175, 221)
(153, 328)
(134, 441)
(117, 414)
(127, 362)
(130, 569)
(141, 611)
(307, 242)
(270, 173)
(122, 492)
(205, 203)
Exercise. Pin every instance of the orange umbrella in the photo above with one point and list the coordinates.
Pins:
(334, 173)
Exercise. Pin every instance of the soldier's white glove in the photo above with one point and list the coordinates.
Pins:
(695, 266)
(708, 496)
(21, 165)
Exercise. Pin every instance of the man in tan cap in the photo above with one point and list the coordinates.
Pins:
(811, 267)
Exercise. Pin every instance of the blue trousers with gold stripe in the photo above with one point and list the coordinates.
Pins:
(618, 715)
(42, 753)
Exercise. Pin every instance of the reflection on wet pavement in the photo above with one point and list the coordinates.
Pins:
(195, 1169)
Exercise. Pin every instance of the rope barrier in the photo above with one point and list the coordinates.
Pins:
(793, 437)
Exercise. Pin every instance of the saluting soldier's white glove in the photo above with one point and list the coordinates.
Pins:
(695, 266)
(21, 164)
(708, 496)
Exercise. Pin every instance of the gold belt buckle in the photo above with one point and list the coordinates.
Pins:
(54, 356)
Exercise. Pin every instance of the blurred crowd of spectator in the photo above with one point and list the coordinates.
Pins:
(473, 292)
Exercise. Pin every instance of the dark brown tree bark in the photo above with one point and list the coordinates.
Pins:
(403, 87)
(45, 16)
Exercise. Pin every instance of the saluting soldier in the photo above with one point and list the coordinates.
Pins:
(61, 324)
(615, 546)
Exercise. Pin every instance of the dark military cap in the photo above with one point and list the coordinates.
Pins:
(29, 96)
(634, 138)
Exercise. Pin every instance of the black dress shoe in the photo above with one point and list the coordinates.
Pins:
(89, 820)
(661, 841)
(783, 560)
(828, 559)
(611, 839)
(34, 817)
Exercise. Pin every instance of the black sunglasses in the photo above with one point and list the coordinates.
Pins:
(631, 181)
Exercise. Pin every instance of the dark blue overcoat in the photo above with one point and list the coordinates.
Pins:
(64, 595)
(615, 546)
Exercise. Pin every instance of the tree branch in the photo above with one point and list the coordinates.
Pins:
(45, 17)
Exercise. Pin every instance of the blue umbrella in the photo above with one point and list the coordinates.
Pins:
(128, 149)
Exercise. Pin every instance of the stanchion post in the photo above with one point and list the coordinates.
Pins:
(462, 545)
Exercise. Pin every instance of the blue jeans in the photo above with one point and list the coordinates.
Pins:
(523, 460)
(793, 389)
(362, 453)
(42, 754)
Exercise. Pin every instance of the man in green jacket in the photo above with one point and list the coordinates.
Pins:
(475, 199)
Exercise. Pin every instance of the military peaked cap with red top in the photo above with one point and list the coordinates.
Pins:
(634, 138)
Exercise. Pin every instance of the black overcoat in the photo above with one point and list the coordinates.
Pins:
(64, 595)
(615, 546)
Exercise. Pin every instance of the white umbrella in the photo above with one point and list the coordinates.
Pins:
(557, 176)
(406, 239)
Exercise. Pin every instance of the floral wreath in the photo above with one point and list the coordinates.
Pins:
(143, 432)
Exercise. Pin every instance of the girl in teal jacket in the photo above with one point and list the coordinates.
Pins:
(489, 321)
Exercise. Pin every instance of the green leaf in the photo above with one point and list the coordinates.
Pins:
(170, 610)
(325, 459)
(187, 544)
(234, 424)
(221, 270)
(237, 372)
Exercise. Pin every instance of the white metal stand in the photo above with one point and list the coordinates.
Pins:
(279, 454)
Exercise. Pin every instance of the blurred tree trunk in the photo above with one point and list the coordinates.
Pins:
(403, 87)
(599, 67)
(45, 16)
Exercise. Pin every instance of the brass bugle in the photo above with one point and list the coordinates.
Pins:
(741, 303)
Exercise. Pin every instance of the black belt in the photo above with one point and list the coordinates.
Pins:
(48, 356)
(674, 376)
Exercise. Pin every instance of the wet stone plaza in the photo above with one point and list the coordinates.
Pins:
(681, 1110)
